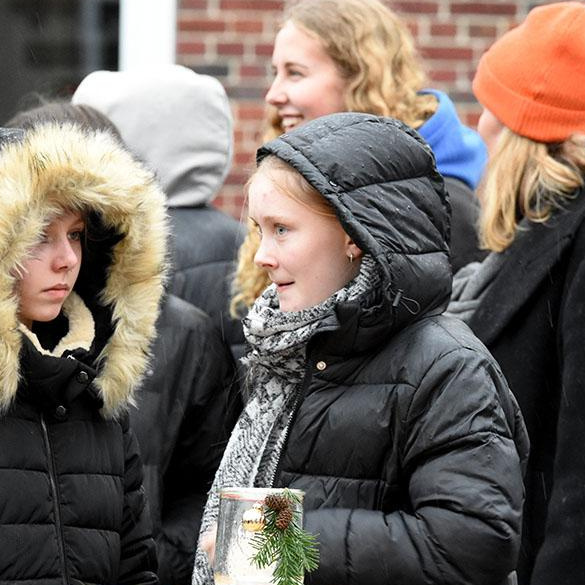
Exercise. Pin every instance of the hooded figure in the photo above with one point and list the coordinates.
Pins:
(72, 506)
(393, 419)
(180, 123)
(187, 403)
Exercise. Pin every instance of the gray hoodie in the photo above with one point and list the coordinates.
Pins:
(179, 123)
(174, 119)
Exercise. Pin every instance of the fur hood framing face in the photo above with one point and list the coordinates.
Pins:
(122, 277)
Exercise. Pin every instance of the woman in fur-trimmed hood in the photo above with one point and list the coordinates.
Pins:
(82, 264)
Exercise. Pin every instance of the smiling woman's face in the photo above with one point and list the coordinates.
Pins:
(307, 83)
(49, 274)
(305, 253)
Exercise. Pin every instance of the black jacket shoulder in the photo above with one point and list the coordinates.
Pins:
(186, 407)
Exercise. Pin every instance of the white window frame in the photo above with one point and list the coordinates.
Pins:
(148, 33)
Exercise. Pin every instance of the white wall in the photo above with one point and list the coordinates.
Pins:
(147, 33)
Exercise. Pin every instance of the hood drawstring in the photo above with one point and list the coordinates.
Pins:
(397, 297)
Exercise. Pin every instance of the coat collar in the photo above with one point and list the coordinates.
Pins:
(528, 261)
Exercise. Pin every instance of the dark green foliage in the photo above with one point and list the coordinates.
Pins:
(292, 549)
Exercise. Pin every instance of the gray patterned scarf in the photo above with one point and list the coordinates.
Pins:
(276, 367)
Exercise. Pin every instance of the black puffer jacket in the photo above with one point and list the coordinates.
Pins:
(72, 506)
(191, 394)
(406, 438)
(204, 246)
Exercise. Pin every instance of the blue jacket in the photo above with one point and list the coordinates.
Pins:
(459, 151)
(460, 157)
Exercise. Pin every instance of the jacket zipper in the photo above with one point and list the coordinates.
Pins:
(56, 500)
(296, 405)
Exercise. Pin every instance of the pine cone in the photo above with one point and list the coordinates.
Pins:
(284, 518)
(275, 502)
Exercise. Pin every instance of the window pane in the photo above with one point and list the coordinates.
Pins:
(49, 46)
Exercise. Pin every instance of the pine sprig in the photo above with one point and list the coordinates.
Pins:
(292, 549)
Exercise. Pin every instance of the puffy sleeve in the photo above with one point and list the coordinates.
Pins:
(462, 449)
(138, 563)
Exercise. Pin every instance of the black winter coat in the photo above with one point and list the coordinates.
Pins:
(405, 437)
(532, 319)
(464, 218)
(72, 505)
(205, 246)
(190, 393)
(70, 513)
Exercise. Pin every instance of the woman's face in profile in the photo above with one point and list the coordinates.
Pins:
(305, 253)
(51, 270)
(307, 83)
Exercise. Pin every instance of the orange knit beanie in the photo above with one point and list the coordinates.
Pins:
(533, 78)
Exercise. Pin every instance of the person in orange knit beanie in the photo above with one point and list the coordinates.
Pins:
(533, 78)
(526, 300)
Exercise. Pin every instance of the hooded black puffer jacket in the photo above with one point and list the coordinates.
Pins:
(405, 437)
(72, 506)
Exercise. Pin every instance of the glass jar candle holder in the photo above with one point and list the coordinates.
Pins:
(240, 518)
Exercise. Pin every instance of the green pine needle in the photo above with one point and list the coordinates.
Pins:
(293, 549)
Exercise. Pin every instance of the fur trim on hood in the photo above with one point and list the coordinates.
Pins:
(56, 167)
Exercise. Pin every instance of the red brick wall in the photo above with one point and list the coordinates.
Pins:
(232, 40)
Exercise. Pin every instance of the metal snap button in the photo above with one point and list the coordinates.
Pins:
(83, 377)
(321, 365)
(60, 412)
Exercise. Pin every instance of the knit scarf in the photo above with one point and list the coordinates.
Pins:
(276, 368)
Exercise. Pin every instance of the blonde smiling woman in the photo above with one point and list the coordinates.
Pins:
(359, 56)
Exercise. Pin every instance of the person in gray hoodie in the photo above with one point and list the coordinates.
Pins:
(180, 123)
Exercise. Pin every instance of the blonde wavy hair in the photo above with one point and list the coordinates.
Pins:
(251, 279)
(527, 179)
(373, 50)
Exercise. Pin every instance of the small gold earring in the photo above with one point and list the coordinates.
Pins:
(350, 257)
